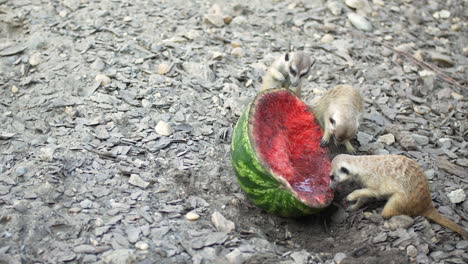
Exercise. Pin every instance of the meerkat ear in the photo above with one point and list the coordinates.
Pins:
(286, 57)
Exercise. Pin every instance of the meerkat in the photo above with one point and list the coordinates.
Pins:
(394, 177)
(339, 112)
(288, 71)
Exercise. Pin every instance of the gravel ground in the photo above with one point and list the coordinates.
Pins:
(116, 118)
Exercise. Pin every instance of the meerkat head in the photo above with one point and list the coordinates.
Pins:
(298, 66)
(342, 124)
(341, 170)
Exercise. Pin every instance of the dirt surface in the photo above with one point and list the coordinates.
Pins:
(116, 118)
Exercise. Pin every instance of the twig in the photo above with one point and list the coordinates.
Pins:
(419, 62)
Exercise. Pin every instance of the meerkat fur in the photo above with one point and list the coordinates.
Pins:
(339, 112)
(394, 177)
(288, 71)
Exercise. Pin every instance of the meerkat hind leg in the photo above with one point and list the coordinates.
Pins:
(392, 207)
(360, 196)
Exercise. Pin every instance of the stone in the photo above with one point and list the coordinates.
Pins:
(359, 22)
(380, 238)
(420, 139)
(327, 38)
(387, 139)
(457, 196)
(430, 174)
(411, 251)
(192, 216)
(339, 257)
(119, 256)
(133, 234)
(422, 109)
(98, 65)
(300, 257)
(444, 14)
(457, 96)
(428, 80)
(361, 6)
(141, 245)
(444, 143)
(215, 20)
(399, 221)
(335, 7)
(14, 89)
(103, 79)
(238, 52)
(462, 244)
(221, 223)
(35, 59)
(235, 257)
(86, 204)
(164, 129)
(136, 180)
(163, 68)
(363, 138)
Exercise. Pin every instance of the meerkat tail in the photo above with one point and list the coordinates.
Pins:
(435, 216)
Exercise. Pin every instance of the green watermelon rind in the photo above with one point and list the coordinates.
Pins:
(258, 183)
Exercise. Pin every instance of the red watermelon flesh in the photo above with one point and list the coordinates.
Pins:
(287, 139)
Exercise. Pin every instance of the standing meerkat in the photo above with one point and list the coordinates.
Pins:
(339, 112)
(288, 70)
(396, 177)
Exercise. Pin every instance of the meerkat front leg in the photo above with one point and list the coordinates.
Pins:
(360, 196)
(326, 135)
(349, 147)
(277, 75)
(298, 90)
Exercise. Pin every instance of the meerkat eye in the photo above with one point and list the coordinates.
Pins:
(286, 57)
(344, 170)
(332, 121)
(304, 73)
(293, 72)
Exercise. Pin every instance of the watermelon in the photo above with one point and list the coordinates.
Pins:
(277, 157)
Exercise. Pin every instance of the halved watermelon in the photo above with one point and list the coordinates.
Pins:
(277, 157)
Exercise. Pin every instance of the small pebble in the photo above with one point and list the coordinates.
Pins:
(103, 79)
(411, 251)
(14, 89)
(163, 68)
(235, 44)
(141, 245)
(98, 65)
(339, 257)
(387, 139)
(192, 216)
(136, 180)
(327, 38)
(457, 196)
(127, 19)
(429, 174)
(164, 129)
(35, 59)
(457, 96)
(238, 52)
(359, 22)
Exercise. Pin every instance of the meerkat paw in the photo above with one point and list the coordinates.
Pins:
(277, 75)
(349, 147)
(324, 142)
